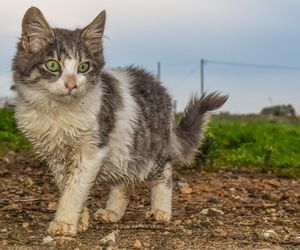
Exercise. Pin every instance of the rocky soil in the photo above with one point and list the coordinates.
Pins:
(227, 209)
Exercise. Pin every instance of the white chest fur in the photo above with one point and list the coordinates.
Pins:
(61, 132)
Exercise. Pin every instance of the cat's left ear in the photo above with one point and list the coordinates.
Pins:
(36, 32)
(93, 33)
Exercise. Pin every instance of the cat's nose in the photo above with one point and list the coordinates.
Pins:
(70, 82)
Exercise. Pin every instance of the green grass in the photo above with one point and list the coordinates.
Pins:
(10, 137)
(256, 141)
(269, 143)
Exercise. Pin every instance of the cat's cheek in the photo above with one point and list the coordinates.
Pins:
(81, 84)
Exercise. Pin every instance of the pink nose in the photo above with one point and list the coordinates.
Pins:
(70, 82)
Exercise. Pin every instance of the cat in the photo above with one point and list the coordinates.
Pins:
(89, 122)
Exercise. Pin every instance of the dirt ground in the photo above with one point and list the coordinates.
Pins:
(236, 209)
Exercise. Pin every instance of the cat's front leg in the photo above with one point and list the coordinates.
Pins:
(59, 172)
(74, 194)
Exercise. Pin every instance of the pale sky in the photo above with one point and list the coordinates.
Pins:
(179, 34)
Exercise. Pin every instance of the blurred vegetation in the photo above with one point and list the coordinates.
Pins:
(11, 138)
(280, 110)
(268, 142)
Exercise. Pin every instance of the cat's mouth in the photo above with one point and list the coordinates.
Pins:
(66, 97)
(70, 92)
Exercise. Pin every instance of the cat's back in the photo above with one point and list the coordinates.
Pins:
(149, 92)
(145, 90)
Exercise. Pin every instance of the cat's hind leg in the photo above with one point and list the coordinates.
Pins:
(161, 196)
(115, 206)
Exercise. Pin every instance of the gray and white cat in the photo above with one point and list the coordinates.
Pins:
(91, 123)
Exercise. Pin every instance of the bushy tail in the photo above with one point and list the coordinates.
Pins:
(193, 123)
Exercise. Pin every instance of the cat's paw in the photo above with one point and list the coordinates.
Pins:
(83, 223)
(58, 228)
(158, 215)
(106, 216)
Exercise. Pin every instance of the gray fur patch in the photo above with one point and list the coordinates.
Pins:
(111, 102)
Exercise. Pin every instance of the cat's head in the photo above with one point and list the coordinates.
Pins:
(56, 63)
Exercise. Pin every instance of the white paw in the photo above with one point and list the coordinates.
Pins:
(58, 228)
(83, 223)
(106, 216)
(158, 215)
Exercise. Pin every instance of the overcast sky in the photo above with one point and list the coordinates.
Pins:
(179, 33)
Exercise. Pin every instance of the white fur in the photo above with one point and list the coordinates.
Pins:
(121, 137)
(54, 127)
(118, 200)
(77, 188)
(115, 206)
(161, 195)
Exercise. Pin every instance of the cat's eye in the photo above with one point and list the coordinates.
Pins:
(52, 65)
(83, 67)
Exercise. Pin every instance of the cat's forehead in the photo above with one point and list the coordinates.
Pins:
(68, 45)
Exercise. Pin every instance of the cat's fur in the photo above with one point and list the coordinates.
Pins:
(115, 125)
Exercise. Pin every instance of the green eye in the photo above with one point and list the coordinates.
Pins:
(52, 65)
(83, 67)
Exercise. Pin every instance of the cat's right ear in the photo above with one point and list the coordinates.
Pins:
(93, 33)
(36, 32)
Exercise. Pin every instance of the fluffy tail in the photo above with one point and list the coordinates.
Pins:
(193, 124)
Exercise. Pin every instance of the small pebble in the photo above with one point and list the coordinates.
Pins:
(12, 206)
(177, 222)
(211, 212)
(137, 244)
(25, 225)
(47, 239)
(52, 206)
(186, 190)
(109, 238)
(269, 234)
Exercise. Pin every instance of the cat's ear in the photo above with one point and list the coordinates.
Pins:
(36, 32)
(93, 33)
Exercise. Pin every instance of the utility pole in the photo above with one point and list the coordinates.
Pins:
(175, 106)
(158, 70)
(202, 61)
